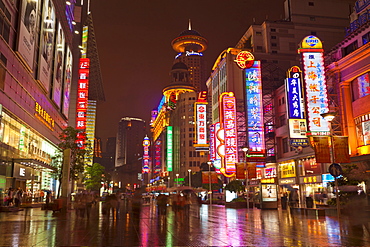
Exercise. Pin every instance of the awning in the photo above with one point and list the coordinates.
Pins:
(37, 164)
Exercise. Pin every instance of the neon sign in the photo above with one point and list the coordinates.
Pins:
(294, 93)
(220, 151)
(201, 120)
(169, 148)
(244, 59)
(44, 117)
(157, 159)
(82, 98)
(254, 112)
(315, 84)
(212, 153)
(228, 114)
(146, 144)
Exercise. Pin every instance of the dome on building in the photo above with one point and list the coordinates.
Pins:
(179, 65)
(190, 32)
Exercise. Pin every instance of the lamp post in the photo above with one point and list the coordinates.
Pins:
(329, 116)
(177, 180)
(189, 177)
(210, 182)
(245, 150)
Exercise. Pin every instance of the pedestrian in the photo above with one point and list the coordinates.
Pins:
(42, 195)
(162, 201)
(111, 203)
(48, 198)
(293, 199)
(18, 197)
(136, 203)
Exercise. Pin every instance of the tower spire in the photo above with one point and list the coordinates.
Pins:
(189, 24)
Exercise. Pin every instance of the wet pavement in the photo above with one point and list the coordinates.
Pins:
(204, 226)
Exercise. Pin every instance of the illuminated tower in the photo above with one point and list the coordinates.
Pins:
(190, 45)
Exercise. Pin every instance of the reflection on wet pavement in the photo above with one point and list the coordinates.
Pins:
(207, 226)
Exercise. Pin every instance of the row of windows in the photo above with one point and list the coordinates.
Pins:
(194, 163)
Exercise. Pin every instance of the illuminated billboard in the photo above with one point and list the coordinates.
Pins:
(212, 153)
(253, 94)
(146, 144)
(294, 96)
(201, 119)
(297, 128)
(58, 67)
(157, 156)
(228, 115)
(82, 98)
(315, 85)
(67, 82)
(169, 148)
(28, 31)
(47, 44)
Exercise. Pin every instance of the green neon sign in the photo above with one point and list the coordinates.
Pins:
(169, 148)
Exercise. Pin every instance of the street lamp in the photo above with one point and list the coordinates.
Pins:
(210, 183)
(329, 116)
(189, 177)
(177, 180)
(245, 150)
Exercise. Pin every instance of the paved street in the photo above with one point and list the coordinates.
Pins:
(209, 226)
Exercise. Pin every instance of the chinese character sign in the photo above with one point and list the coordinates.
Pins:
(82, 98)
(146, 144)
(201, 123)
(315, 85)
(157, 159)
(219, 150)
(230, 131)
(212, 153)
(294, 93)
(254, 109)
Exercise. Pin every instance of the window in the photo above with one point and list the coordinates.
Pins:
(259, 48)
(190, 153)
(366, 38)
(190, 143)
(312, 18)
(350, 48)
(282, 120)
(274, 52)
(361, 86)
(285, 145)
(282, 100)
(273, 37)
(311, 4)
(273, 44)
(273, 30)
(258, 33)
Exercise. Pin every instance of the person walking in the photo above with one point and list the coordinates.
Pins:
(18, 197)
(162, 201)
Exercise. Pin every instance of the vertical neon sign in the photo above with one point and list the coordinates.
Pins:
(212, 153)
(315, 84)
(254, 112)
(146, 144)
(230, 133)
(294, 93)
(169, 148)
(201, 119)
(157, 160)
(82, 97)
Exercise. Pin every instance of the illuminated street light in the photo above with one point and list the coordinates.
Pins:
(245, 150)
(177, 179)
(210, 184)
(329, 116)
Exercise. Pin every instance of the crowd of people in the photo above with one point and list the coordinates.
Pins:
(15, 197)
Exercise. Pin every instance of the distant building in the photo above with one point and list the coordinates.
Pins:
(129, 152)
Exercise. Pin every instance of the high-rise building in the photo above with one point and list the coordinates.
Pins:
(37, 83)
(190, 46)
(129, 152)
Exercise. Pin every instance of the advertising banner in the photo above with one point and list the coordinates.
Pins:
(322, 149)
(297, 128)
(67, 82)
(311, 167)
(341, 149)
(209, 175)
(58, 67)
(240, 171)
(47, 44)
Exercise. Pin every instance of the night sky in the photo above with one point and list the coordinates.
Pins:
(134, 45)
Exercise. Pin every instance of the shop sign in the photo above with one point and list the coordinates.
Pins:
(201, 123)
(297, 128)
(268, 181)
(321, 146)
(310, 180)
(43, 116)
(169, 148)
(286, 181)
(341, 149)
(254, 182)
(311, 167)
(21, 172)
(294, 96)
(269, 192)
(302, 142)
(287, 170)
(244, 59)
(270, 172)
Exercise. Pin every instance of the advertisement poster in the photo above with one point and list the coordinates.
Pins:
(240, 171)
(28, 34)
(47, 44)
(209, 175)
(341, 149)
(58, 67)
(67, 82)
(297, 128)
(322, 150)
(311, 167)
(366, 132)
(269, 193)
